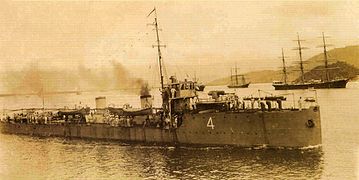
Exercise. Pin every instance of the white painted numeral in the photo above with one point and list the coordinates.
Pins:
(210, 123)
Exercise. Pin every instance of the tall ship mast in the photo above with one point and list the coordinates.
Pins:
(331, 81)
(235, 80)
(323, 83)
(285, 77)
(221, 119)
(325, 59)
(300, 48)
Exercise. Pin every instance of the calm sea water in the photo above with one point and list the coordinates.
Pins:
(23, 157)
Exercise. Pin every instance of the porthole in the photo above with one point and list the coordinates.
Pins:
(315, 109)
(310, 123)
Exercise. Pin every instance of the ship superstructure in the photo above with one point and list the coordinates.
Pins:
(223, 119)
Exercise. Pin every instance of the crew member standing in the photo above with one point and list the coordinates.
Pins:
(300, 103)
(173, 92)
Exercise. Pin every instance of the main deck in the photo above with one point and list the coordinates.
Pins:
(282, 128)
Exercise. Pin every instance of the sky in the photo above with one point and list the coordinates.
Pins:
(205, 38)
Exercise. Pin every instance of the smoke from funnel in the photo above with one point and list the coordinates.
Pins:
(123, 79)
(33, 79)
(145, 90)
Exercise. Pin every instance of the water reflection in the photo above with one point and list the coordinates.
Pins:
(244, 163)
(169, 162)
(59, 158)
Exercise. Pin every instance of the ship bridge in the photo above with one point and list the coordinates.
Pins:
(181, 95)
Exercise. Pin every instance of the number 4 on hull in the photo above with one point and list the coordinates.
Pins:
(210, 123)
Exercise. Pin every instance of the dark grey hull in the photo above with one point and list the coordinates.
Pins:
(285, 128)
(321, 85)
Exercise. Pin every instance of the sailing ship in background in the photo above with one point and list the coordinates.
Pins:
(237, 80)
(327, 82)
(224, 119)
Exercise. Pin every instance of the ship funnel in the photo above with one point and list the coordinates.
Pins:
(100, 102)
(146, 101)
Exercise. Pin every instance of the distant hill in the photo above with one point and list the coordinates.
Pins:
(340, 70)
(346, 58)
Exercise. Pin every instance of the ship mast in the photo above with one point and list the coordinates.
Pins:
(284, 68)
(236, 74)
(43, 97)
(325, 58)
(300, 58)
(158, 45)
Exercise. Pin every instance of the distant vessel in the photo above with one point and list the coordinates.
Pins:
(237, 80)
(326, 82)
(223, 119)
(198, 86)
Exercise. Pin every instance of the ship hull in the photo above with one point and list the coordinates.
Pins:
(285, 128)
(322, 85)
(239, 86)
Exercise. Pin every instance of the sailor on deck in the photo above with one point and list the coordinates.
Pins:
(167, 122)
(173, 92)
(269, 105)
(300, 103)
(279, 102)
(252, 102)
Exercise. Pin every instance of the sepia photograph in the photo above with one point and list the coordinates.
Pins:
(170, 89)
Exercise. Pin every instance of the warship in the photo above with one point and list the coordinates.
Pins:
(235, 80)
(323, 83)
(223, 119)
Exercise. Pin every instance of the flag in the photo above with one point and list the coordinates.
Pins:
(154, 9)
